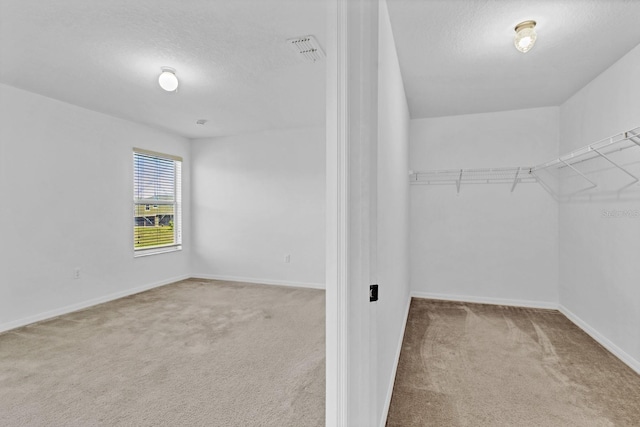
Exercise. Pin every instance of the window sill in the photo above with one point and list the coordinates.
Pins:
(155, 251)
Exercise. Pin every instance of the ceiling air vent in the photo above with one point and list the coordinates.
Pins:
(307, 48)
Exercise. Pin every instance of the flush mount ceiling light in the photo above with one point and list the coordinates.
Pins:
(168, 80)
(525, 36)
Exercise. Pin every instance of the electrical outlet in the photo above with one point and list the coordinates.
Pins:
(287, 259)
(76, 273)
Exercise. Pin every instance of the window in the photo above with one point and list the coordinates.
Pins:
(157, 180)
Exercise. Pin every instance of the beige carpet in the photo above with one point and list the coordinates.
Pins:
(482, 365)
(194, 353)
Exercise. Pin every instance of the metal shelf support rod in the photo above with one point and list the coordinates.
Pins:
(635, 178)
(594, 185)
(515, 180)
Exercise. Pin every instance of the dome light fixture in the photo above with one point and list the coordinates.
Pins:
(525, 36)
(168, 80)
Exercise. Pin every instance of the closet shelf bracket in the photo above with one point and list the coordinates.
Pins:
(635, 178)
(515, 180)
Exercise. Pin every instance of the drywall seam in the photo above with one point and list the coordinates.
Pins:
(601, 339)
(259, 281)
(387, 403)
(47, 315)
(485, 300)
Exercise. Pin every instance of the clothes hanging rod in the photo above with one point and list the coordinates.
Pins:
(516, 175)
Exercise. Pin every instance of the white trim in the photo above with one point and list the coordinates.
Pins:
(487, 300)
(259, 281)
(137, 253)
(337, 215)
(625, 357)
(387, 401)
(86, 304)
(156, 154)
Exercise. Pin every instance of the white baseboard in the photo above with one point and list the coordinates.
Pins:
(387, 400)
(602, 340)
(85, 304)
(486, 300)
(259, 281)
(106, 298)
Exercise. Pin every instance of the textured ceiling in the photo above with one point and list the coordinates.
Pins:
(236, 71)
(457, 57)
(231, 57)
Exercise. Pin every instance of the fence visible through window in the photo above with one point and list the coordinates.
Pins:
(157, 200)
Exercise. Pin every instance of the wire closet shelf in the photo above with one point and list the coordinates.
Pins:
(513, 176)
(573, 162)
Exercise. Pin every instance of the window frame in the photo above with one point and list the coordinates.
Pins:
(176, 203)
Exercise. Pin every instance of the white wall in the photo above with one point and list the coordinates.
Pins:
(392, 214)
(257, 198)
(66, 180)
(485, 244)
(599, 257)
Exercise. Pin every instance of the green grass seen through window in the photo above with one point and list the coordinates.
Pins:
(144, 237)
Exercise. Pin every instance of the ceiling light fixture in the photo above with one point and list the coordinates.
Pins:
(168, 80)
(525, 36)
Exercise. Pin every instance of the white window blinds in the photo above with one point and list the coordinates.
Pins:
(157, 223)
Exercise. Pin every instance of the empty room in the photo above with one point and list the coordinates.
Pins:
(320, 212)
(204, 195)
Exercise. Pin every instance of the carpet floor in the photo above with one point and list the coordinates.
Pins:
(193, 353)
(483, 365)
